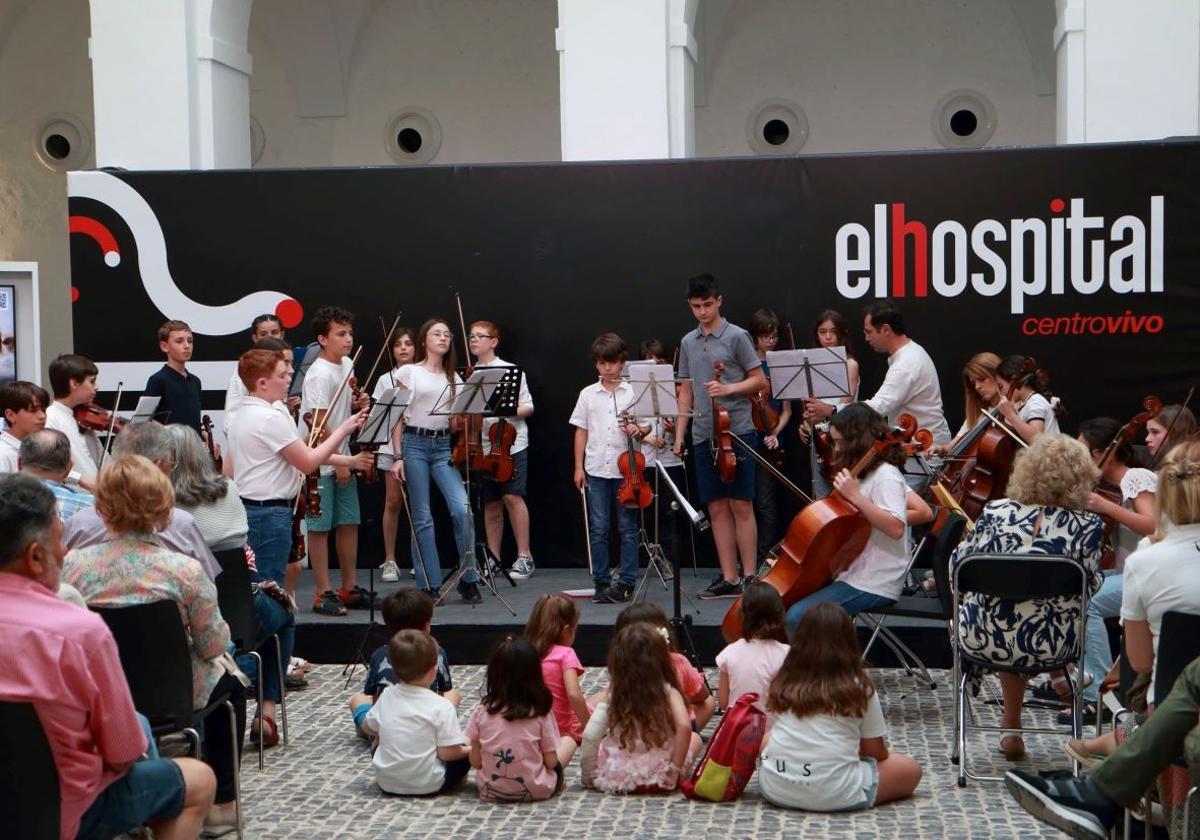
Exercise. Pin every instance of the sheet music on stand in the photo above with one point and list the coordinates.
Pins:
(819, 372)
(145, 409)
(653, 389)
(387, 411)
(490, 391)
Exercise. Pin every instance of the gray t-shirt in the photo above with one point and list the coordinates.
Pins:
(731, 345)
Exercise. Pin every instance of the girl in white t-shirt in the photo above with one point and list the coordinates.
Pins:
(422, 458)
(825, 750)
(749, 664)
(1032, 408)
(403, 351)
(875, 577)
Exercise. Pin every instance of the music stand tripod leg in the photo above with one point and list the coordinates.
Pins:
(360, 658)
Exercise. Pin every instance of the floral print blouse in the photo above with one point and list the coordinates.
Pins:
(134, 568)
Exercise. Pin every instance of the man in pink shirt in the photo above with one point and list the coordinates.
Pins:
(64, 661)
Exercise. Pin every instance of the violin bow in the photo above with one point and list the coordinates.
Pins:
(1000, 424)
(315, 431)
(387, 340)
(112, 424)
(1162, 449)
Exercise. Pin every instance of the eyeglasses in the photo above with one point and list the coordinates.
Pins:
(480, 336)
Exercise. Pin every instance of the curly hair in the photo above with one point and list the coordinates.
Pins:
(1178, 496)
(639, 672)
(1056, 471)
(860, 426)
(133, 495)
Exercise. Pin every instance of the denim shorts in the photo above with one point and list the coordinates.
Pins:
(339, 505)
(150, 790)
(709, 484)
(515, 486)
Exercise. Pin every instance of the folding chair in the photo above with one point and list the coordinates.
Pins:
(1178, 647)
(909, 606)
(29, 794)
(237, 608)
(156, 657)
(1017, 577)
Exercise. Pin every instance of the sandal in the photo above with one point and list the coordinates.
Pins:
(1059, 688)
(1013, 747)
(1078, 750)
(264, 726)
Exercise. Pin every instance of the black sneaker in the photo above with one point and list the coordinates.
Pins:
(1075, 806)
(327, 603)
(470, 592)
(618, 593)
(358, 598)
(746, 581)
(600, 596)
(721, 588)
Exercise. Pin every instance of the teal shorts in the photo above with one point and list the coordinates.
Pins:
(339, 505)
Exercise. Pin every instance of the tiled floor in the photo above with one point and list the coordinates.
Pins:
(321, 785)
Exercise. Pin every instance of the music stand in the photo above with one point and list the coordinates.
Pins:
(488, 392)
(818, 372)
(386, 413)
(296, 389)
(145, 409)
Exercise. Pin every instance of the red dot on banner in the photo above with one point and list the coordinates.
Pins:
(74, 294)
(290, 312)
(1057, 205)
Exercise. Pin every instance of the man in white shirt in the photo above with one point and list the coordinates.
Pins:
(508, 495)
(23, 405)
(73, 381)
(911, 385)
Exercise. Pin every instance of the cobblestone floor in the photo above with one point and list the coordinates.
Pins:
(320, 786)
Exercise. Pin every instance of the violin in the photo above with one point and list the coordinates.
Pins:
(466, 449)
(371, 473)
(498, 463)
(766, 419)
(206, 424)
(824, 538)
(299, 550)
(1151, 406)
(92, 418)
(634, 491)
(724, 460)
(824, 446)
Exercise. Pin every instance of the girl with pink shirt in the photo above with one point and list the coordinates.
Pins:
(696, 693)
(516, 750)
(751, 663)
(551, 630)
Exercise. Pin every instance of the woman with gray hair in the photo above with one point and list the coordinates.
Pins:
(1045, 513)
(213, 500)
(204, 493)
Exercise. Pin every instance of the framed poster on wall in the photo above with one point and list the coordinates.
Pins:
(8, 335)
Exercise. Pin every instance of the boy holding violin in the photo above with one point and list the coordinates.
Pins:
(770, 417)
(730, 501)
(334, 331)
(499, 496)
(603, 429)
(73, 383)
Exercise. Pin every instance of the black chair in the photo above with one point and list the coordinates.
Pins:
(1017, 577)
(237, 608)
(911, 606)
(156, 657)
(29, 793)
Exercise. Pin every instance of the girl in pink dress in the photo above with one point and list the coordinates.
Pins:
(551, 629)
(516, 750)
(640, 740)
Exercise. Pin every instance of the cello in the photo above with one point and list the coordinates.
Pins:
(821, 540)
(724, 460)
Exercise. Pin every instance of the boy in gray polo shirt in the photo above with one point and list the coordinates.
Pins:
(730, 504)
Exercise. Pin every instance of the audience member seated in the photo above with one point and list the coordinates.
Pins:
(63, 660)
(151, 441)
(213, 500)
(1160, 578)
(132, 566)
(1089, 806)
(1044, 514)
(46, 455)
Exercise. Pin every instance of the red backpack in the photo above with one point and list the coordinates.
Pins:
(729, 762)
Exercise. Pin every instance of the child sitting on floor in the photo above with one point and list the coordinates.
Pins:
(404, 609)
(751, 663)
(516, 750)
(825, 749)
(640, 740)
(551, 629)
(421, 748)
(701, 703)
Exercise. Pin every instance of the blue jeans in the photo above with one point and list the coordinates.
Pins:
(426, 459)
(601, 497)
(852, 600)
(273, 618)
(270, 535)
(1097, 659)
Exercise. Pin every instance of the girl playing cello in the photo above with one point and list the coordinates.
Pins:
(1032, 409)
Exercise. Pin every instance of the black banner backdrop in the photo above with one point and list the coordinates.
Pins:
(1082, 256)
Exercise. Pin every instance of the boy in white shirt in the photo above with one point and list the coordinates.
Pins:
(334, 331)
(421, 747)
(264, 326)
(73, 382)
(23, 405)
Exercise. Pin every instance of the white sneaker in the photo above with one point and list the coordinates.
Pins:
(523, 568)
(390, 572)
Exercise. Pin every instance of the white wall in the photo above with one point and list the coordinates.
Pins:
(868, 73)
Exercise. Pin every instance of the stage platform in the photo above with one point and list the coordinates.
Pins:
(467, 632)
